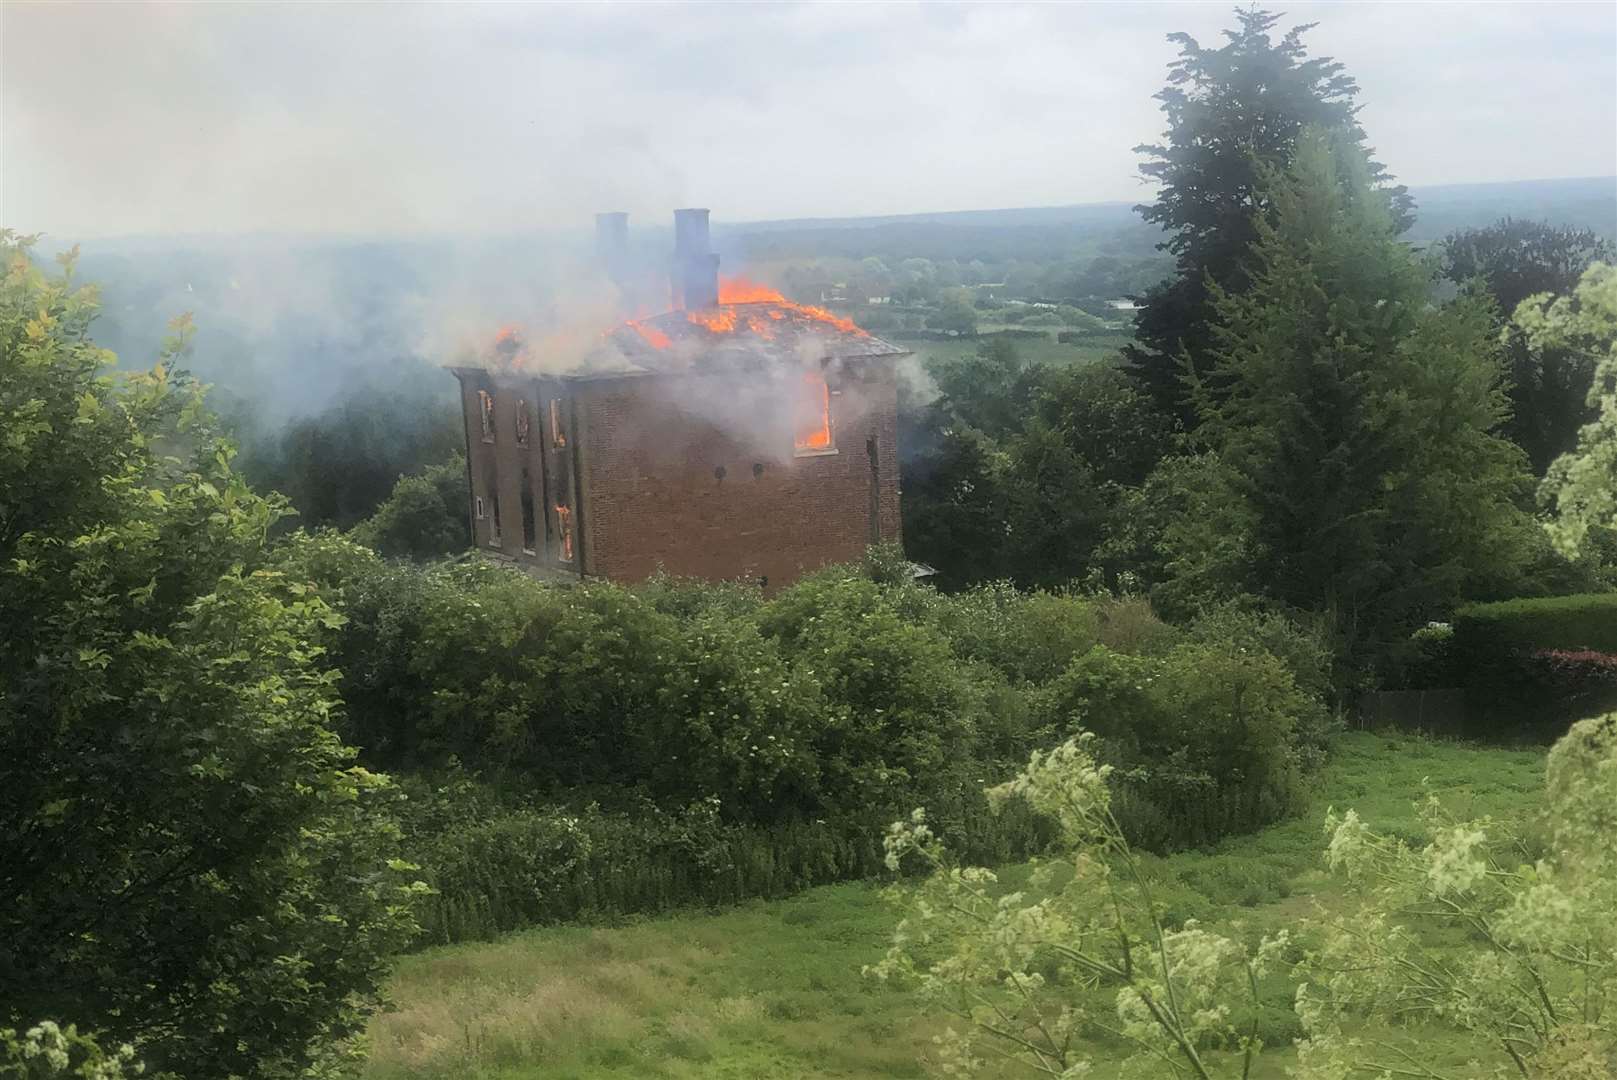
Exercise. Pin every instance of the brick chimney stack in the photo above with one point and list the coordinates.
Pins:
(696, 268)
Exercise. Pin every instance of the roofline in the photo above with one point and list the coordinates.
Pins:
(461, 371)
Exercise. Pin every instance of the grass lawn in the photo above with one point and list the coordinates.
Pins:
(773, 990)
(1046, 350)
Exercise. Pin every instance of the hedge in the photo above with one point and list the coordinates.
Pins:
(1531, 666)
(1489, 632)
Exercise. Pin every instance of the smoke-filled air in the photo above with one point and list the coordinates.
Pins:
(808, 540)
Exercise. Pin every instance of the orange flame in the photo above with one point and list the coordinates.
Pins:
(653, 336)
(739, 290)
(718, 320)
(772, 308)
(564, 522)
(814, 430)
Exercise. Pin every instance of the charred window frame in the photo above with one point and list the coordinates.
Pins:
(522, 422)
(813, 426)
(485, 410)
(558, 433)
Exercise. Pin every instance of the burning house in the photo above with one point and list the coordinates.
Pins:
(739, 435)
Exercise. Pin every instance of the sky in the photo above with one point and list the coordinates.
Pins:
(372, 119)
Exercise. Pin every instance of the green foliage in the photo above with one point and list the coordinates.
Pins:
(1011, 969)
(738, 746)
(424, 518)
(1019, 470)
(1530, 666)
(498, 861)
(1357, 420)
(1533, 979)
(195, 864)
(1079, 319)
(1446, 928)
(1105, 418)
(1185, 533)
(956, 314)
(1235, 114)
(1202, 737)
(1488, 633)
(1029, 637)
(339, 466)
(772, 988)
(1582, 485)
(48, 1051)
(1055, 511)
(1514, 260)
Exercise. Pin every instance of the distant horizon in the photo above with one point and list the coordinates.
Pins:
(369, 120)
(585, 223)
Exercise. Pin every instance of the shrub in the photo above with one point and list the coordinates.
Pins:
(498, 862)
(1458, 935)
(194, 862)
(901, 715)
(1428, 661)
(424, 517)
(1302, 646)
(1026, 637)
(1129, 624)
(49, 1051)
(1202, 737)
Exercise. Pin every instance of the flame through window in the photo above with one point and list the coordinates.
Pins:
(813, 424)
(558, 437)
(564, 525)
(485, 404)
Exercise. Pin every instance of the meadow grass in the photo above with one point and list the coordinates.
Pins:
(1045, 350)
(772, 989)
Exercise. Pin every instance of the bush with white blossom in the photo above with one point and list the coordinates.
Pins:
(1509, 941)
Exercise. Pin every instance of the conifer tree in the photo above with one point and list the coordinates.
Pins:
(1358, 419)
(1233, 113)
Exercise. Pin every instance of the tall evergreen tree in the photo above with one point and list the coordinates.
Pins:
(1233, 112)
(1357, 418)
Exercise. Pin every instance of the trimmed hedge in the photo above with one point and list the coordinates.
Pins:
(1522, 661)
(1488, 632)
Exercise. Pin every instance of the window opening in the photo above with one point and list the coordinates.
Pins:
(522, 422)
(813, 420)
(529, 529)
(491, 487)
(480, 513)
(564, 513)
(564, 525)
(558, 437)
(485, 405)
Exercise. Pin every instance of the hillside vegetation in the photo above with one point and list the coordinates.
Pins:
(772, 989)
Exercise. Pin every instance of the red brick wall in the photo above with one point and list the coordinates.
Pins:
(649, 447)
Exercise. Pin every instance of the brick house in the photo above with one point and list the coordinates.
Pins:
(731, 438)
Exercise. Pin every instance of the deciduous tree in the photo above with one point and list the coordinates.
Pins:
(194, 863)
(1511, 261)
(1582, 485)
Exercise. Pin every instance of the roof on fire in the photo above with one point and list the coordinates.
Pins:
(728, 337)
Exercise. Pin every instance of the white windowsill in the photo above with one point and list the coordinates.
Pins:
(816, 453)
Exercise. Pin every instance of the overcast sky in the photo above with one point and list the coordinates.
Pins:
(372, 118)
